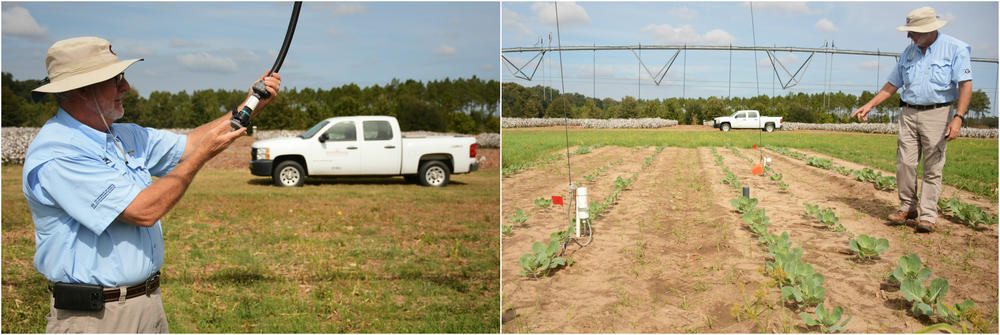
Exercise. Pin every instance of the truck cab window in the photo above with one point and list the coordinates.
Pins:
(377, 130)
(342, 131)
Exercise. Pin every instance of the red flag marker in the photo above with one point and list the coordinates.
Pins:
(557, 200)
(755, 146)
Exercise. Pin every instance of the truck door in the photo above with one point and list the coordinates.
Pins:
(739, 121)
(339, 147)
(753, 120)
(381, 150)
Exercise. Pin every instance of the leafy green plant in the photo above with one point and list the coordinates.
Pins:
(543, 261)
(826, 216)
(519, 217)
(821, 163)
(809, 292)
(731, 179)
(505, 230)
(744, 204)
(590, 177)
(543, 202)
(756, 220)
(910, 267)
(969, 214)
(775, 177)
(868, 247)
(783, 187)
(924, 299)
(956, 316)
(866, 175)
(826, 320)
(885, 183)
(582, 150)
(842, 170)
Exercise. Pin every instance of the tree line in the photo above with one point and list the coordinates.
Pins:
(545, 102)
(467, 106)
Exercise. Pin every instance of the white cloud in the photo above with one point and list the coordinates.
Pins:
(683, 13)
(333, 32)
(141, 51)
(203, 62)
(444, 50)
(488, 67)
(782, 7)
(513, 20)
(569, 13)
(825, 25)
(348, 9)
(242, 55)
(17, 21)
(179, 43)
(685, 34)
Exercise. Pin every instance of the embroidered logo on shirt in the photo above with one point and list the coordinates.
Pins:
(101, 197)
(967, 71)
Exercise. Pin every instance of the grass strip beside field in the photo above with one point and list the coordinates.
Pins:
(971, 165)
(372, 255)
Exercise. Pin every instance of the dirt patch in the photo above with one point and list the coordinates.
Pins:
(672, 256)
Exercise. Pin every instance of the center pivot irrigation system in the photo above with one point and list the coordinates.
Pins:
(241, 119)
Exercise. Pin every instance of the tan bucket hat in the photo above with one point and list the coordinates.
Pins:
(81, 61)
(922, 20)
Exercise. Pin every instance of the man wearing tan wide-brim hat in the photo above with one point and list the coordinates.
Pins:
(935, 75)
(96, 209)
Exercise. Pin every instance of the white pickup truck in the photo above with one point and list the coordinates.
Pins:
(333, 147)
(747, 119)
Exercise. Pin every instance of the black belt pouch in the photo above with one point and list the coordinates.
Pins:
(78, 297)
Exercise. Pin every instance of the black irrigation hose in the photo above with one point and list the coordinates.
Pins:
(288, 38)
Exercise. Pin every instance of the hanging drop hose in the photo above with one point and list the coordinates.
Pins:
(241, 118)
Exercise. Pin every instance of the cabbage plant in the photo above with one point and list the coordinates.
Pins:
(868, 247)
(809, 292)
(826, 320)
(544, 259)
(744, 204)
(910, 267)
(924, 298)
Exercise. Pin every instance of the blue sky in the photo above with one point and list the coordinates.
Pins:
(227, 45)
(849, 25)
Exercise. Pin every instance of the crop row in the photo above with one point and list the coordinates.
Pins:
(544, 256)
(802, 285)
(968, 214)
(513, 122)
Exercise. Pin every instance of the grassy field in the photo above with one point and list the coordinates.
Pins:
(971, 163)
(335, 256)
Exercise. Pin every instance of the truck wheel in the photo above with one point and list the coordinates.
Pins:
(725, 127)
(433, 173)
(769, 127)
(289, 174)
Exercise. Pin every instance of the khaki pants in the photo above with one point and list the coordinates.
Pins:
(921, 135)
(141, 314)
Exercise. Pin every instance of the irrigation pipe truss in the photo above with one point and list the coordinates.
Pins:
(709, 47)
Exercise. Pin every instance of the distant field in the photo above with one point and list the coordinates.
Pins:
(971, 165)
(373, 255)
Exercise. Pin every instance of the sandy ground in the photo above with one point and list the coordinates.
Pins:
(672, 256)
(238, 156)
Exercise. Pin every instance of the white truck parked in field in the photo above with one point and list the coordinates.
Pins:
(333, 147)
(747, 119)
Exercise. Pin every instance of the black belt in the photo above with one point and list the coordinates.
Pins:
(147, 287)
(926, 107)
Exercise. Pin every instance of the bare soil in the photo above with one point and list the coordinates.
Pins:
(673, 256)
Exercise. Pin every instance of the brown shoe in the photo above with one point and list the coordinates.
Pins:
(901, 216)
(925, 226)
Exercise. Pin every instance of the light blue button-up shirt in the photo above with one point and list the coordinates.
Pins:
(77, 183)
(932, 78)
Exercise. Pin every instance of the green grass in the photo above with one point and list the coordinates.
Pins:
(246, 257)
(971, 163)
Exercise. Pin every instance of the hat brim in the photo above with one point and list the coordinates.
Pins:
(85, 79)
(924, 28)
